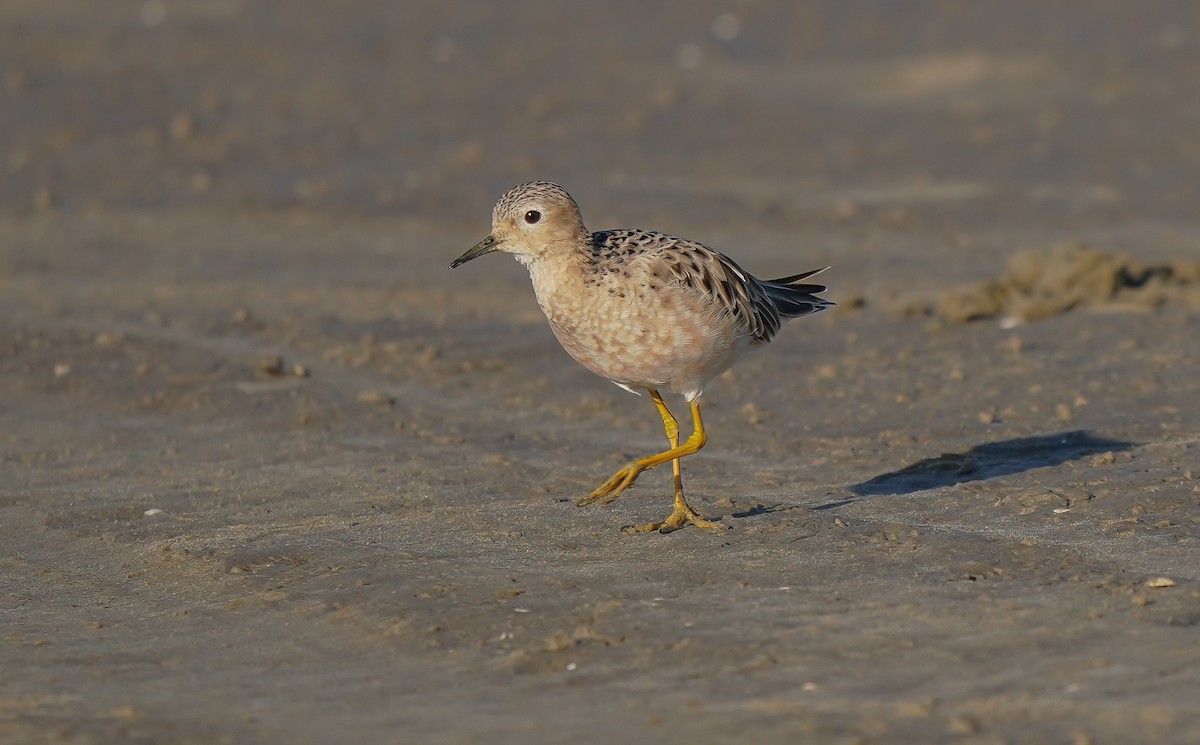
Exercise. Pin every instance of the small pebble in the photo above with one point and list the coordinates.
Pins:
(374, 397)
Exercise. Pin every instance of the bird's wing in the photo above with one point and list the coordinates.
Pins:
(690, 264)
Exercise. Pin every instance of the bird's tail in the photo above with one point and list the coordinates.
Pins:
(792, 298)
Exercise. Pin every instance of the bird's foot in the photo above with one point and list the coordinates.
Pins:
(617, 483)
(683, 515)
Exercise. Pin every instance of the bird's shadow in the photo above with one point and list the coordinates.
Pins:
(985, 461)
(756, 509)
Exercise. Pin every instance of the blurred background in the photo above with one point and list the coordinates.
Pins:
(751, 111)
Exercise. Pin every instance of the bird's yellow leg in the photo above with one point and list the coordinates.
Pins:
(670, 426)
(624, 478)
(683, 513)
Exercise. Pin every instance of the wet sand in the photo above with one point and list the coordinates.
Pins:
(273, 473)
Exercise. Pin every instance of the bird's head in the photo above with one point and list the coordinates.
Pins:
(531, 221)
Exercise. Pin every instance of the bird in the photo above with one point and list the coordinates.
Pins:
(645, 310)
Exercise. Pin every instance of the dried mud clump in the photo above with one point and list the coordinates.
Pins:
(1041, 284)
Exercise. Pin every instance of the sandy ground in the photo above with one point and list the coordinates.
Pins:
(272, 473)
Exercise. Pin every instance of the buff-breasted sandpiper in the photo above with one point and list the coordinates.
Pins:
(646, 310)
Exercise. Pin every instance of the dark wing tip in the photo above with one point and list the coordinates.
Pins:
(797, 277)
(793, 299)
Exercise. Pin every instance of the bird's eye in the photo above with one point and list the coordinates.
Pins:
(533, 216)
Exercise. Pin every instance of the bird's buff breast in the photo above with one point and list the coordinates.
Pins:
(638, 337)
